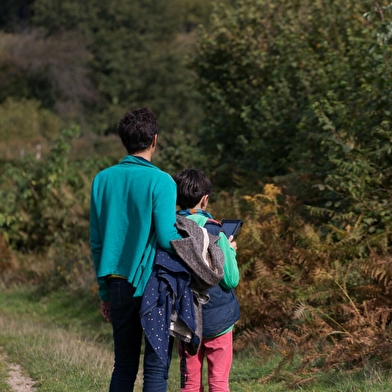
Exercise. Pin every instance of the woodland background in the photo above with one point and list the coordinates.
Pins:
(286, 105)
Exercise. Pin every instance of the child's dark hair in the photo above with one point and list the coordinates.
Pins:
(137, 129)
(192, 185)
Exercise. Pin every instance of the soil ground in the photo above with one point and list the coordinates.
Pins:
(16, 379)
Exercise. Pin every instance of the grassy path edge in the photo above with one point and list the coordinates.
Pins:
(62, 342)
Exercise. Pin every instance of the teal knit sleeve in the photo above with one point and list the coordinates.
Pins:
(164, 214)
(96, 245)
(231, 276)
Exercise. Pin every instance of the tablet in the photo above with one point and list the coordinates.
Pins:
(231, 227)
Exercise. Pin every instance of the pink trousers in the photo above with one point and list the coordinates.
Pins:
(219, 354)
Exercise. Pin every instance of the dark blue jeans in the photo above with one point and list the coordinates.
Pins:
(127, 335)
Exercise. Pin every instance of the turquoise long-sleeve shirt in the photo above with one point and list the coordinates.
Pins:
(132, 209)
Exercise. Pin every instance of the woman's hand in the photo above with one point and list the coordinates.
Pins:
(105, 310)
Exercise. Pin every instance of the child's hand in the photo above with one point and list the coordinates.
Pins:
(232, 243)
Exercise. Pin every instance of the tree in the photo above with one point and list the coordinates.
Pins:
(266, 69)
(14, 14)
(49, 69)
(26, 129)
(136, 59)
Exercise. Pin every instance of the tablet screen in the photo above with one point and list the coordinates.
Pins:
(231, 226)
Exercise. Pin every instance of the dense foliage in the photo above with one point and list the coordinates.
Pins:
(44, 217)
(90, 62)
(299, 93)
(281, 78)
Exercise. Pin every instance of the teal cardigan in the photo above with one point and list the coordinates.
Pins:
(132, 209)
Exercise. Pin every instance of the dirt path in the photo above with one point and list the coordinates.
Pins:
(16, 380)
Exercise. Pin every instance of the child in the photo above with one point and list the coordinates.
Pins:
(222, 310)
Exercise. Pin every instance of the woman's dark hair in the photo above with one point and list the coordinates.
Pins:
(137, 129)
(192, 185)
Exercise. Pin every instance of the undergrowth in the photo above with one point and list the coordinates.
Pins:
(55, 339)
(307, 290)
(315, 281)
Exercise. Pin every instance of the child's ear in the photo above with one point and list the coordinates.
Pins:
(204, 202)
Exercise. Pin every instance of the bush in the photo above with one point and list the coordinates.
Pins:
(46, 215)
(309, 289)
(26, 129)
(268, 70)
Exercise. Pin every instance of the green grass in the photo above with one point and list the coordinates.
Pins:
(63, 343)
(4, 387)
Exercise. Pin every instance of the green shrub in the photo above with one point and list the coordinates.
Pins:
(45, 219)
(26, 129)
